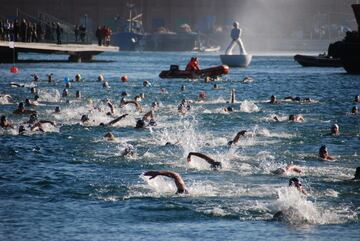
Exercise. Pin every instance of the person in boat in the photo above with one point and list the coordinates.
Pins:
(355, 110)
(295, 182)
(179, 182)
(21, 110)
(296, 118)
(5, 123)
(324, 154)
(287, 170)
(235, 39)
(357, 174)
(237, 137)
(193, 65)
(273, 100)
(357, 99)
(335, 130)
(213, 164)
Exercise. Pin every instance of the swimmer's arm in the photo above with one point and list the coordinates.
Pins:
(149, 114)
(47, 122)
(237, 137)
(116, 120)
(205, 157)
(111, 107)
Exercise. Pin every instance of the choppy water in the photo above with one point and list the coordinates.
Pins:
(69, 183)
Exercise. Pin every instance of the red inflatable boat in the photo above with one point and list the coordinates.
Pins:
(212, 72)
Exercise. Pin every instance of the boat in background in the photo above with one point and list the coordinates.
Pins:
(317, 61)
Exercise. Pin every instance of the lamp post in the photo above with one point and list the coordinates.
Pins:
(85, 22)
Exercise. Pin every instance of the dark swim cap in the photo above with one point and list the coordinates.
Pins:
(140, 124)
(294, 181)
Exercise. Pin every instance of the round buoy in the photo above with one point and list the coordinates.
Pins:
(14, 69)
(124, 78)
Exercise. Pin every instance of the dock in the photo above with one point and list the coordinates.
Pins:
(76, 52)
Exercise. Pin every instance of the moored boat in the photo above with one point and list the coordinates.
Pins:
(317, 61)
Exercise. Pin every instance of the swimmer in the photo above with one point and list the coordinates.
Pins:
(109, 136)
(29, 102)
(57, 110)
(183, 88)
(335, 130)
(21, 110)
(179, 182)
(5, 123)
(286, 170)
(228, 109)
(85, 119)
(247, 79)
(275, 118)
(355, 110)
(216, 87)
(124, 102)
(50, 77)
(357, 174)
(273, 100)
(68, 85)
(106, 85)
(146, 83)
(36, 124)
(129, 151)
(149, 115)
(324, 154)
(237, 137)
(124, 93)
(33, 90)
(298, 99)
(13, 84)
(184, 106)
(357, 99)
(78, 77)
(296, 118)
(202, 95)
(21, 129)
(35, 77)
(295, 182)
(78, 94)
(100, 78)
(213, 164)
(163, 91)
(65, 93)
(114, 121)
(232, 99)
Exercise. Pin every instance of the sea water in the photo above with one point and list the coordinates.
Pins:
(69, 183)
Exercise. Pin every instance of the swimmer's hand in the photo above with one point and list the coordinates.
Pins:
(188, 158)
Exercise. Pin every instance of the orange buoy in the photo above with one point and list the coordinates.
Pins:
(14, 69)
(124, 78)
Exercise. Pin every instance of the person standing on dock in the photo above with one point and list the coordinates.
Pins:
(58, 33)
(98, 35)
(235, 36)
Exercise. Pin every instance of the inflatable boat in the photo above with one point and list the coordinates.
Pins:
(212, 72)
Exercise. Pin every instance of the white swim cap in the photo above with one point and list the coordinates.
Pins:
(236, 24)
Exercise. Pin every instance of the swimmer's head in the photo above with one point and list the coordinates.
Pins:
(355, 110)
(357, 98)
(152, 122)
(57, 109)
(109, 136)
(229, 109)
(21, 106)
(68, 85)
(21, 129)
(140, 124)
(273, 99)
(33, 118)
(292, 117)
(216, 165)
(183, 88)
(33, 90)
(124, 93)
(323, 151)
(84, 118)
(100, 77)
(27, 102)
(77, 77)
(3, 119)
(36, 97)
(335, 129)
(357, 173)
(236, 24)
(295, 182)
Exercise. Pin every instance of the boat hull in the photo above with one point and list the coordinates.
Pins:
(241, 60)
(317, 61)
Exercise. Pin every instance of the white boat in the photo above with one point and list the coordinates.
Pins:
(236, 60)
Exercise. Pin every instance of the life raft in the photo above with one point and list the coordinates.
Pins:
(176, 73)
